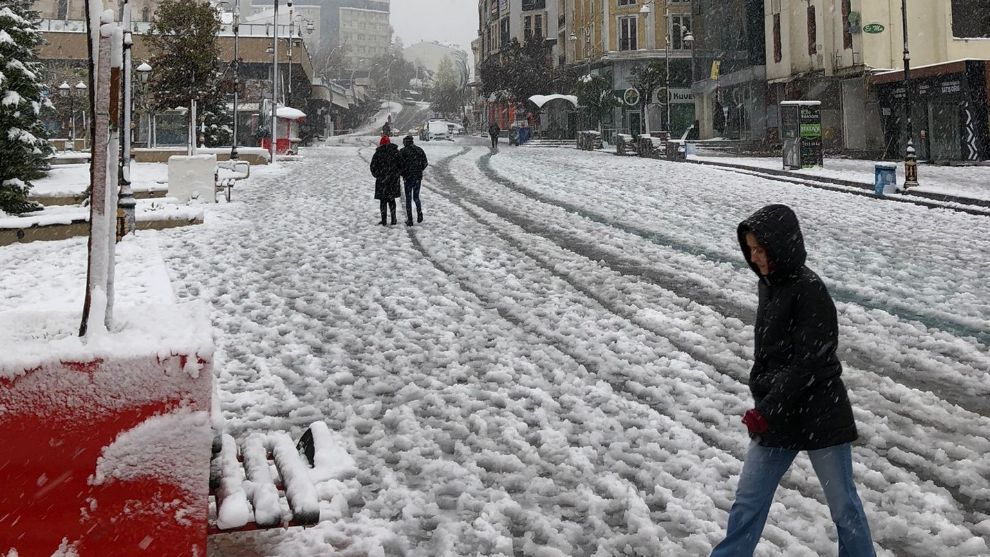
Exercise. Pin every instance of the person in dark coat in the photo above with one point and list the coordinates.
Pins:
(493, 131)
(801, 403)
(385, 169)
(412, 163)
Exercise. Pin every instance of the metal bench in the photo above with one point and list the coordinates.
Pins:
(225, 185)
(281, 493)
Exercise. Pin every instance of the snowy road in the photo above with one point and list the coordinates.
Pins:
(554, 362)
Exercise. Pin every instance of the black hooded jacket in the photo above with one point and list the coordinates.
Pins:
(385, 168)
(796, 376)
(412, 160)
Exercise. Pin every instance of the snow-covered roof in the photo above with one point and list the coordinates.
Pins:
(289, 113)
(540, 100)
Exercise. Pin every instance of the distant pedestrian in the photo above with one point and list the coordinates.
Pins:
(385, 169)
(801, 401)
(387, 128)
(412, 163)
(493, 131)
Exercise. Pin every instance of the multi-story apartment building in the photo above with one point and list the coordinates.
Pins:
(848, 54)
(501, 21)
(365, 35)
(619, 36)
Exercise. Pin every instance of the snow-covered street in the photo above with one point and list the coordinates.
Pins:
(554, 362)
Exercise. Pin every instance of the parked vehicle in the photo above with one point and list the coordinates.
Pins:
(437, 130)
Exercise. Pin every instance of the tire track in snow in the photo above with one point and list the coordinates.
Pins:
(806, 490)
(972, 506)
(683, 286)
(840, 294)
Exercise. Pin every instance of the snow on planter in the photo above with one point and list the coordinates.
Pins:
(106, 441)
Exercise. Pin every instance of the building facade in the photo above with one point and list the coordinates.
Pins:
(833, 51)
(619, 37)
(727, 69)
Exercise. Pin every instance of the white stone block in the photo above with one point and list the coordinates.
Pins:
(191, 179)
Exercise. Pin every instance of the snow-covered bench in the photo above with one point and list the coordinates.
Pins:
(625, 145)
(271, 482)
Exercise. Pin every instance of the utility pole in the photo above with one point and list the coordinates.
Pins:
(237, 75)
(288, 96)
(274, 130)
(911, 157)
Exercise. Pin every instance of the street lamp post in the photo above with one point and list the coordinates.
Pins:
(910, 157)
(237, 75)
(144, 71)
(292, 25)
(65, 90)
(646, 9)
(274, 128)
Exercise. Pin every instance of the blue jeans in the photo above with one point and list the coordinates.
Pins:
(762, 471)
(412, 194)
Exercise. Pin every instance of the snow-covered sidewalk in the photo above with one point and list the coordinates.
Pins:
(959, 181)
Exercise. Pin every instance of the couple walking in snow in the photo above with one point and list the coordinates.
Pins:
(801, 401)
(388, 165)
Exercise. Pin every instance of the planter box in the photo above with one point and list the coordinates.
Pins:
(106, 444)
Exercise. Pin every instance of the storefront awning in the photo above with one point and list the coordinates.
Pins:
(922, 72)
(540, 100)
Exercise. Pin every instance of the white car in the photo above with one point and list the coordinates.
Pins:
(438, 130)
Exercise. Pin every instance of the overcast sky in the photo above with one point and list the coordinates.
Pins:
(452, 21)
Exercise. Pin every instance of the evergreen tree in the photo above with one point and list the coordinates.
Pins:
(24, 147)
(186, 60)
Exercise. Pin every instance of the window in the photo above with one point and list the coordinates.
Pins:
(778, 54)
(680, 25)
(812, 32)
(847, 36)
(62, 10)
(527, 26)
(627, 33)
(971, 18)
(504, 32)
(627, 2)
(538, 26)
(528, 5)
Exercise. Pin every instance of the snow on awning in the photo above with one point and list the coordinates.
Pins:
(540, 100)
(289, 113)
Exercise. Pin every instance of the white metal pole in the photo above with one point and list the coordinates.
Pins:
(237, 75)
(274, 129)
(126, 203)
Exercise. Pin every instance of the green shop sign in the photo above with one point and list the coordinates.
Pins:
(811, 130)
(873, 28)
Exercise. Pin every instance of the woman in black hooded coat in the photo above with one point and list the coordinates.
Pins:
(801, 401)
(386, 169)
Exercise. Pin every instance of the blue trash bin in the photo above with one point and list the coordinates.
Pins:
(884, 178)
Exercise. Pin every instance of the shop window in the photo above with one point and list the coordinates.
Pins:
(627, 33)
(847, 36)
(778, 53)
(971, 19)
(812, 31)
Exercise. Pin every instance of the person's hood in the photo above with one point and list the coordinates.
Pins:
(777, 229)
(407, 140)
(384, 141)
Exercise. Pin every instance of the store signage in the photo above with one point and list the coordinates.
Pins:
(631, 96)
(873, 28)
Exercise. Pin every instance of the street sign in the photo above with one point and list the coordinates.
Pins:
(873, 28)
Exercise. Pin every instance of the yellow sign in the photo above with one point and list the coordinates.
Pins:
(716, 66)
